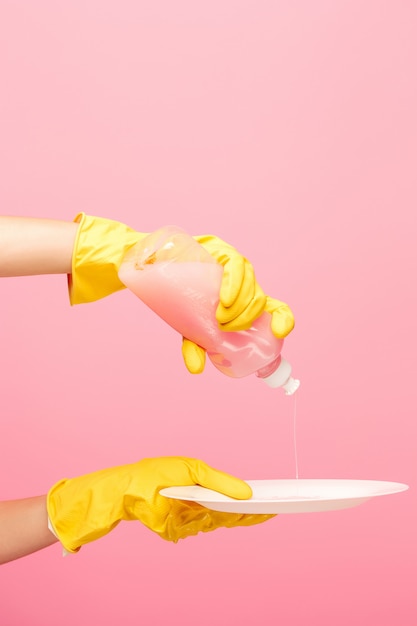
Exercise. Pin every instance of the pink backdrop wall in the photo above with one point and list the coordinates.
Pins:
(288, 129)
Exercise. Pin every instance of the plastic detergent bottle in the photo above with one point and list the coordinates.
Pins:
(180, 281)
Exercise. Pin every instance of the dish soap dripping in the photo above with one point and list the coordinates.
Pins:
(294, 417)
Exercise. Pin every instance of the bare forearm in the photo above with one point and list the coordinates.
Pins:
(30, 246)
(23, 528)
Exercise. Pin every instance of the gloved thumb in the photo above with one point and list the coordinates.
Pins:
(282, 321)
(214, 479)
(194, 356)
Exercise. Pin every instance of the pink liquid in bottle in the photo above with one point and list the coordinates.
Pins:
(180, 281)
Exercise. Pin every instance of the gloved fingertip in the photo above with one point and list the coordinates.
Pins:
(225, 317)
(194, 357)
(235, 487)
(229, 290)
(220, 481)
(233, 278)
(235, 325)
(243, 491)
(235, 320)
(282, 323)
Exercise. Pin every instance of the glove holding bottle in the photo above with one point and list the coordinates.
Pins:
(180, 281)
(101, 245)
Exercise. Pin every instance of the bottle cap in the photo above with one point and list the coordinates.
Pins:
(291, 386)
(282, 378)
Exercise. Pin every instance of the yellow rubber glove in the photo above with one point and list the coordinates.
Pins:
(99, 248)
(86, 508)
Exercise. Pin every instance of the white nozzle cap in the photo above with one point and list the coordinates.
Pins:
(282, 378)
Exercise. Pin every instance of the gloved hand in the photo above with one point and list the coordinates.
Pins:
(101, 245)
(86, 508)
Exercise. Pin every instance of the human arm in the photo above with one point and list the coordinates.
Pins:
(31, 246)
(91, 249)
(23, 528)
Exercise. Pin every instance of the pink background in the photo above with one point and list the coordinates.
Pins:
(288, 129)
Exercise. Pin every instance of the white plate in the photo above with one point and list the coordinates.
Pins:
(298, 495)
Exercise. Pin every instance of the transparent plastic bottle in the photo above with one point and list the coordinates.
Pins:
(180, 281)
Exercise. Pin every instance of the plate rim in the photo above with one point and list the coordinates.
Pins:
(401, 487)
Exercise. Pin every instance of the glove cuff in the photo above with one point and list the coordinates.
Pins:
(83, 509)
(99, 248)
(53, 506)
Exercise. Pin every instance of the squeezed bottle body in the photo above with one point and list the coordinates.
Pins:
(180, 281)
